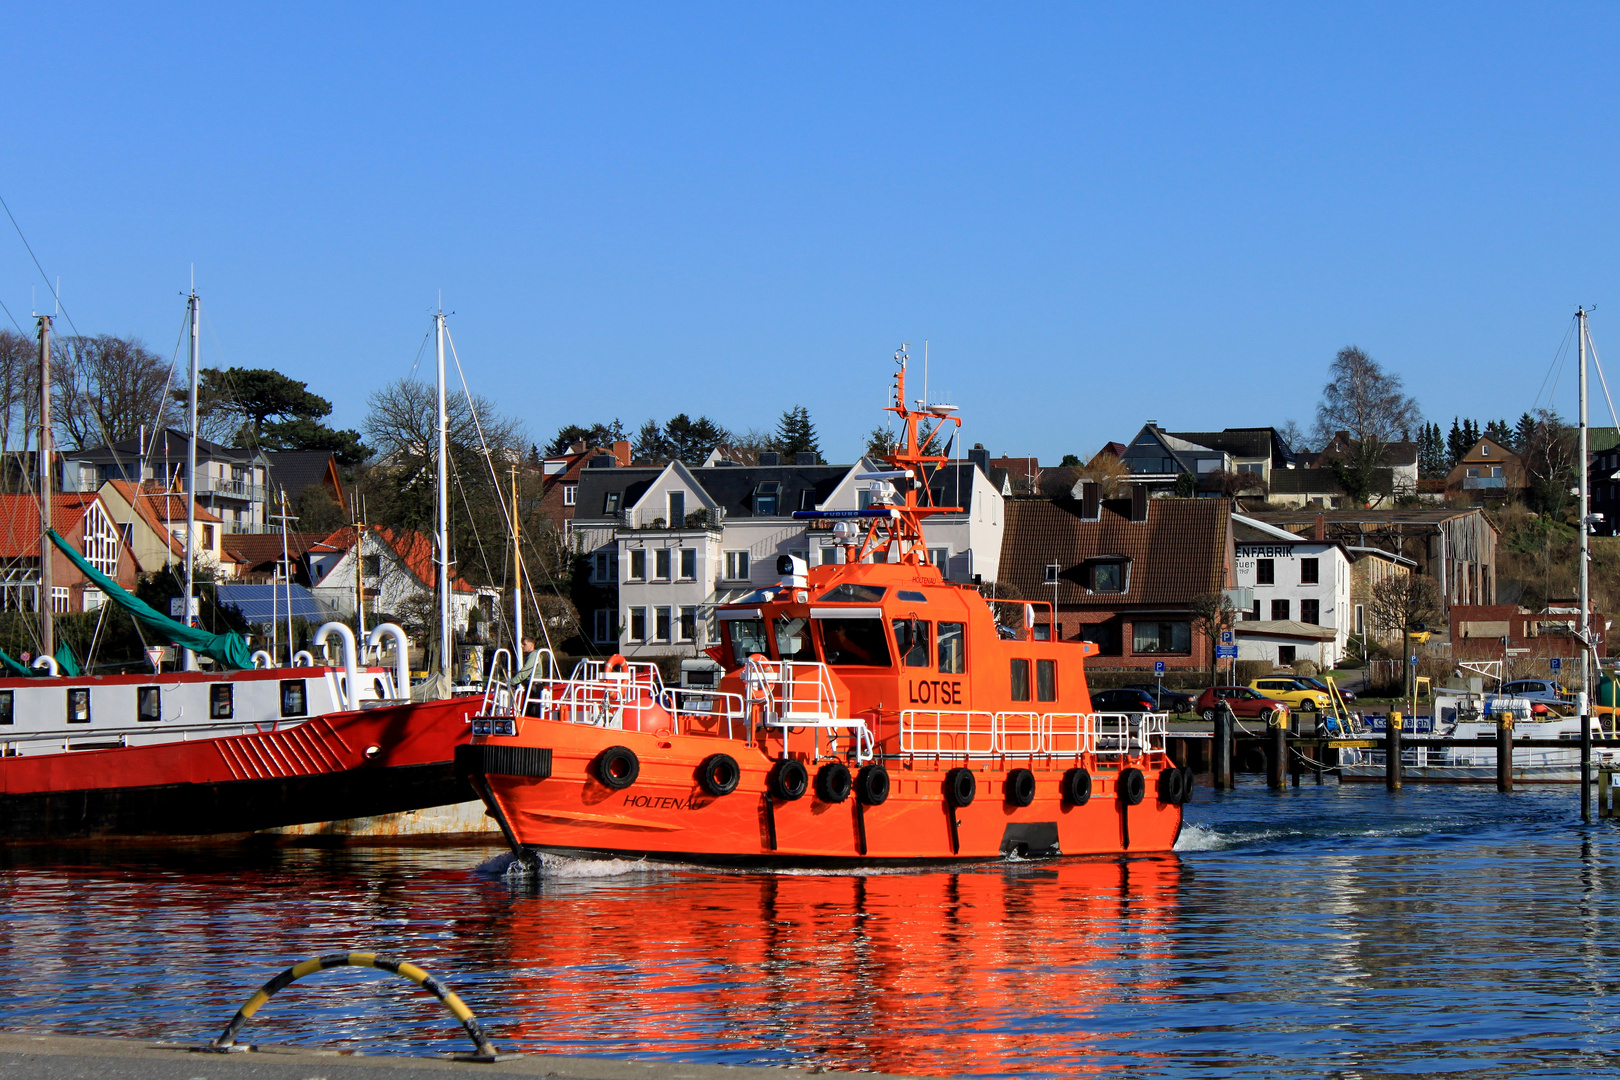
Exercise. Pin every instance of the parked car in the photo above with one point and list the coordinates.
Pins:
(1166, 700)
(1122, 701)
(1318, 684)
(1245, 701)
(1287, 688)
(1543, 691)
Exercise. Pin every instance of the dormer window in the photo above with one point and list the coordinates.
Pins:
(766, 497)
(1107, 574)
(1484, 451)
(677, 509)
(610, 504)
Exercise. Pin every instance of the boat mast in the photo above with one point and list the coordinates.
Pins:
(195, 307)
(47, 625)
(1586, 594)
(442, 541)
(517, 579)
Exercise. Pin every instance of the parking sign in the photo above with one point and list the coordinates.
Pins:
(1557, 663)
(1158, 667)
(1226, 637)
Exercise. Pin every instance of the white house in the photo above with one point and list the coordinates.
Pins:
(396, 574)
(1302, 608)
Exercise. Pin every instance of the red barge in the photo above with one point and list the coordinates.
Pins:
(871, 712)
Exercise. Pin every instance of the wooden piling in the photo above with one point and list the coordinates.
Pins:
(1221, 751)
(1504, 751)
(1586, 766)
(1277, 761)
(1392, 752)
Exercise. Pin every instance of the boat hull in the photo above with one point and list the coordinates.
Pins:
(667, 815)
(324, 771)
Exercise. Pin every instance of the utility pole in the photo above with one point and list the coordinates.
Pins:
(47, 623)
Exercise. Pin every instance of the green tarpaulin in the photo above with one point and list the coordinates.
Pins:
(66, 662)
(230, 650)
(14, 666)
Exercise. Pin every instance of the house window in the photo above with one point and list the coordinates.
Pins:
(661, 564)
(677, 509)
(1310, 611)
(1051, 573)
(610, 502)
(1020, 679)
(208, 537)
(1265, 572)
(1285, 655)
(940, 557)
(602, 625)
(1106, 577)
(638, 624)
(688, 623)
(78, 705)
(1254, 612)
(606, 569)
(1361, 619)
(100, 541)
(294, 698)
(688, 564)
(220, 704)
(1162, 637)
(766, 496)
(737, 565)
(662, 623)
(1474, 473)
(1484, 451)
(59, 599)
(1279, 609)
(638, 564)
(570, 494)
(1496, 470)
(1105, 635)
(1046, 680)
(952, 648)
(371, 565)
(93, 598)
(1308, 572)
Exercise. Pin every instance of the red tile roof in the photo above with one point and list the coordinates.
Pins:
(1178, 553)
(19, 521)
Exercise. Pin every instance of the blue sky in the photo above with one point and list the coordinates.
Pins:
(1096, 215)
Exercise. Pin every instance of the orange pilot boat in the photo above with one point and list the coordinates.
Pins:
(871, 712)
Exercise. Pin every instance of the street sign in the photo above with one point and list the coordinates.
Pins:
(1226, 637)
(1226, 652)
(1413, 661)
(1557, 663)
(1158, 667)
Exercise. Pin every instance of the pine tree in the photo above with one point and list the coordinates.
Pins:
(795, 434)
(1432, 451)
(1499, 432)
(1457, 443)
(1523, 432)
(1471, 429)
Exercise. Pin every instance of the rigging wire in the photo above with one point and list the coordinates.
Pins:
(1555, 369)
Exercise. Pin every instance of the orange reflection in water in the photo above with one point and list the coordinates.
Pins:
(936, 973)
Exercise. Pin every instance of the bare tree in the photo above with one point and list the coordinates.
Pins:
(1366, 401)
(105, 388)
(19, 403)
(1108, 472)
(1293, 436)
(1405, 604)
(1551, 463)
(1212, 613)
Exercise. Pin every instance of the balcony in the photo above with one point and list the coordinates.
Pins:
(236, 489)
(1484, 483)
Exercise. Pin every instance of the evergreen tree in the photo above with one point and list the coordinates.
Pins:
(795, 434)
(1471, 431)
(592, 435)
(1523, 432)
(1432, 451)
(693, 440)
(650, 442)
(1457, 443)
(1499, 432)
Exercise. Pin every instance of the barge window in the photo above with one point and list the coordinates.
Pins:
(952, 648)
(220, 701)
(78, 705)
(1046, 680)
(853, 594)
(793, 641)
(855, 642)
(747, 637)
(148, 703)
(1020, 679)
(294, 698)
(911, 637)
(8, 714)
(912, 595)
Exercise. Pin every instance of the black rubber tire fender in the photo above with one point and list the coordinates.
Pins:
(719, 774)
(1077, 787)
(617, 767)
(960, 787)
(1170, 786)
(1132, 786)
(872, 785)
(790, 779)
(1020, 787)
(1187, 781)
(833, 783)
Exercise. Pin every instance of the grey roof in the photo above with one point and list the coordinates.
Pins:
(296, 470)
(170, 444)
(1305, 482)
(1252, 442)
(730, 486)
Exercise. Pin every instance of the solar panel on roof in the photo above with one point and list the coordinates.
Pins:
(261, 603)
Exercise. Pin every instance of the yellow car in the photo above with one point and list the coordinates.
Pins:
(1295, 694)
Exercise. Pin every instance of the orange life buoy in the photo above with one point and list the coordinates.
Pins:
(616, 662)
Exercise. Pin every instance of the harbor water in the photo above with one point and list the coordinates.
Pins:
(1319, 931)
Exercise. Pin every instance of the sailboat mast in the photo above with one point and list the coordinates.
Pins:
(1586, 594)
(195, 307)
(47, 625)
(517, 578)
(443, 539)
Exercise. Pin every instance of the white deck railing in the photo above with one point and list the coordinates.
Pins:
(933, 732)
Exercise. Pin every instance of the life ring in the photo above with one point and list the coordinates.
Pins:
(1020, 787)
(790, 779)
(616, 662)
(960, 787)
(872, 785)
(719, 774)
(833, 783)
(1171, 786)
(617, 767)
(1076, 787)
(754, 681)
(1132, 786)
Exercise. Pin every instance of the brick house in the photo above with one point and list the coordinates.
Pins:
(1521, 637)
(1124, 571)
(559, 477)
(83, 520)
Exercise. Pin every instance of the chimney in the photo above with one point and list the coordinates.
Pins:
(1090, 500)
(1320, 531)
(769, 457)
(1139, 501)
(804, 457)
(980, 457)
(621, 453)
